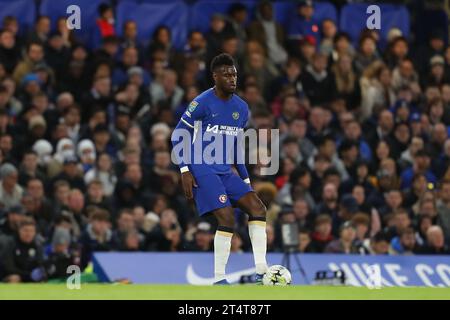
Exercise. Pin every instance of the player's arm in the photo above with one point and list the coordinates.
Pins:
(239, 160)
(186, 123)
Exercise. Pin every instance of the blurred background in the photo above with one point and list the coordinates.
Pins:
(86, 117)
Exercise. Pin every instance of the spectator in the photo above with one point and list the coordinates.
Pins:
(405, 243)
(9, 50)
(34, 56)
(318, 83)
(24, 259)
(62, 255)
(41, 30)
(378, 244)
(345, 243)
(97, 236)
(71, 173)
(421, 165)
(435, 242)
(10, 191)
(166, 92)
(304, 240)
(443, 208)
(237, 18)
(322, 235)
(401, 221)
(103, 171)
(347, 85)
(125, 233)
(329, 31)
(105, 21)
(10, 223)
(367, 53)
(303, 22)
(203, 238)
(166, 236)
(268, 33)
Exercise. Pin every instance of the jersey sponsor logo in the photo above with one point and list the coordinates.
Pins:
(223, 198)
(192, 106)
(221, 129)
(235, 115)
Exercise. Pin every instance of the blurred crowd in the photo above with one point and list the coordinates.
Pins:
(85, 138)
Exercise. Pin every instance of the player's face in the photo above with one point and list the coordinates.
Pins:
(225, 78)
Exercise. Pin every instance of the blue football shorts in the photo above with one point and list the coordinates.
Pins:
(215, 191)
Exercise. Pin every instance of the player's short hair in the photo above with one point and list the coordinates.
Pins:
(223, 59)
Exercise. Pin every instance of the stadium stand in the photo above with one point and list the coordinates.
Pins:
(86, 117)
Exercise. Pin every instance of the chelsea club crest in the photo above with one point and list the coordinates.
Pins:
(235, 115)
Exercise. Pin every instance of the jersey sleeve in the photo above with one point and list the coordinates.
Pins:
(246, 116)
(194, 112)
(239, 148)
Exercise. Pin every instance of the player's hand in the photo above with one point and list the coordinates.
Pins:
(188, 183)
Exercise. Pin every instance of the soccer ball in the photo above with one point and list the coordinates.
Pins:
(277, 275)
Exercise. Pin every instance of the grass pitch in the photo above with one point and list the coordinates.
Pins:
(236, 292)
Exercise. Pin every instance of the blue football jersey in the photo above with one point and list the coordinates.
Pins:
(213, 118)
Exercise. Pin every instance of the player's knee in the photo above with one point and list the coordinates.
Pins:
(225, 218)
(258, 210)
(227, 221)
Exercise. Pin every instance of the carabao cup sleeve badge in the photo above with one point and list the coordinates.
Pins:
(192, 106)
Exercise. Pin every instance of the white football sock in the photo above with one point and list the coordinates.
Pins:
(222, 245)
(258, 236)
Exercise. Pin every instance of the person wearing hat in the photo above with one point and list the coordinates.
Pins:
(10, 191)
(348, 207)
(61, 255)
(37, 127)
(203, 237)
(71, 173)
(346, 241)
(421, 165)
(436, 75)
(303, 23)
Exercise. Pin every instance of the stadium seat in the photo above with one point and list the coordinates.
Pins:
(285, 9)
(23, 10)
(354, 17)
(202, 10)
(149, 16)
(57, 9)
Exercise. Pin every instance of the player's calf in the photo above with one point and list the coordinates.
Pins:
(222, 242)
